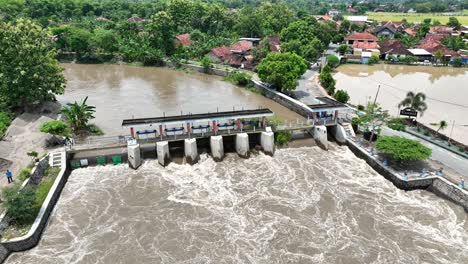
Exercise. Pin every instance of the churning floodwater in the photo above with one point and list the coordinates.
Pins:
(446, 89)
(303, 205)
(122, 92)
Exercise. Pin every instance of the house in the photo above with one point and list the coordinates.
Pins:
(219, 54)
(365, 57)
(385, 31)
(324, 18)
(275, 44)
(360, 47)
(333, 12)
(421, 54)
(411, 11)
(136, 19)
(443, 30)
(241, 47)
(351, 10)
(360, 37)
(357, 19)
(103, 19)
(255, 41)
(410, 31)
(393, 47)
(183, 40)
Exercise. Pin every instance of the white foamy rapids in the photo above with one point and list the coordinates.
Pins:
(300, 206)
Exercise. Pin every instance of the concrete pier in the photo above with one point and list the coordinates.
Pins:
(162, 150)
(217, 147)
(134, 156)
(320, 136)
(339, 133)
(190, 149)
(242, 145)
(267, 140)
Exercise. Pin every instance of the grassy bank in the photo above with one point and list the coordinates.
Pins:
(5, 120)
(418, 17)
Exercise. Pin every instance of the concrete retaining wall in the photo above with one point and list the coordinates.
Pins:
(438, 185)
(31, 239)
(212, 71)
(284, 100)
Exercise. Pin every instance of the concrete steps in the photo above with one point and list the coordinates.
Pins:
(56, 159)
(349, 129)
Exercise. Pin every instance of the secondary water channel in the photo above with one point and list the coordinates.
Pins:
(304, 205)
(446, 90)
(122, 92)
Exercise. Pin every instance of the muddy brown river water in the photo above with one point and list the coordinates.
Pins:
(121, 92)
(446, 90)
(304, 205)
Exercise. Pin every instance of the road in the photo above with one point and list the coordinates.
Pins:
(449, 159)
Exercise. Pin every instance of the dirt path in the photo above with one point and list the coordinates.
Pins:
(24, 136)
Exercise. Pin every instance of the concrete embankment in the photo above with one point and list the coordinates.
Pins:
(31, 239)
(438, 185)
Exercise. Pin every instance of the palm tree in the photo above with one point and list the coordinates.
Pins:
(415, 102)
(442, 125)
(78, 114)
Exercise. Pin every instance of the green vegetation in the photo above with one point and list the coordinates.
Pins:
(398, 124)
(344, 49)
(402, 149)
(55, 127)
(206, 63)
(417, 17)
(415, 102)
(341, 96)
(282, 70)
(373, 119)
(282, 138)
(442, 125)
(24, 174)
(326, 80)
(5, 120)
(29, 70)
(374, 60)
(78, 115)
(333, 61)
(239, 78)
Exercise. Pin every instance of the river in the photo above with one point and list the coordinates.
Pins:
(122, 92)
(446, 90)
(304, 205)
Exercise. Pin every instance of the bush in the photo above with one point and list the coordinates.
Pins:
(206, 63)
(239, 78)
(398, 124)
(151, 57)
(457, 62)
(95, 130)
(360, 107)
(5, 120)
(282, 138)
(331, 89)
(402, 149)
(341, 96)
(343, 49)
(333, 61)
(56, 128)
(42, 191)
(20, 205)
(374, 60)
(24, 174)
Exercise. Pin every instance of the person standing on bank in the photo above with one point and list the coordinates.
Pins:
(9, 176)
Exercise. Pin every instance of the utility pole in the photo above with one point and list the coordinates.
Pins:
(451, 131)
(377, 94)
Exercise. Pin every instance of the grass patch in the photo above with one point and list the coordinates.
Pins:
(5, 121)
(417, 17)
(282, 138)
(24, 174)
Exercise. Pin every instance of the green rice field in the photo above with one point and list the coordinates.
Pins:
(442, 18)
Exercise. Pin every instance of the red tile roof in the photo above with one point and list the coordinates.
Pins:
(221, 52)
(365, 45)
(441, 30)
(361, 36)
(410, 31)
(242, 46)
(325, 17)
(275, 44)
(184, 39)
(394, 46)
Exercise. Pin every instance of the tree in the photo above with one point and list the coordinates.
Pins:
(457, 62)
(333, 61)
(341, 96)
(161, 30)
(20, 204)
(343, 49)
(374, 59)
(453, 22)
(282, 69)
(78, 114)
(29, 70)
(415, 102)
(442, 125)
(373, 119)
(402, 149)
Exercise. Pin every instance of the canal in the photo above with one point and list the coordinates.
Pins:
(446, 90)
